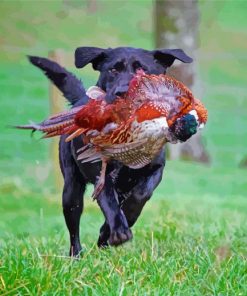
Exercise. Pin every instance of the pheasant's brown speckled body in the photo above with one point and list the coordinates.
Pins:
(134, 128)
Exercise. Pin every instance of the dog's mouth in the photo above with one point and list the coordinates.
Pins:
(110, 97)
(119, 91)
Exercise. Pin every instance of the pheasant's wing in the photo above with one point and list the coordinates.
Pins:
(122, 148)
(89, 153)
(161, 89)
(129, 153)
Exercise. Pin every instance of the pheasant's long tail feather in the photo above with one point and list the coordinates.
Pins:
(59, 124)
(31, 126)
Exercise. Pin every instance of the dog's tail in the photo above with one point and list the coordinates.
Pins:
(71, 87)
(56, 125)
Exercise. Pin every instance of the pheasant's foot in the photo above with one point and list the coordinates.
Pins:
(101, 182)
(98, 188)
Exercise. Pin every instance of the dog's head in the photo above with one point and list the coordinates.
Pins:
(117, 66)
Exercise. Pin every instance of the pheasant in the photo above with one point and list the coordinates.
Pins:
(134, 128)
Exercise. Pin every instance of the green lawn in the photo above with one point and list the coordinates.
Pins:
(191, 237)
(183, 245)
(190, 240)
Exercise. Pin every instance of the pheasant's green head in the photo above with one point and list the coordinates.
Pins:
(184, 127)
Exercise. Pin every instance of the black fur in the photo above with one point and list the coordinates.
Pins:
(71, 87)
(126, 190)
(117, 66)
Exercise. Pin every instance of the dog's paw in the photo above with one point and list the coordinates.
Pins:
(102, 243)
(103, 240)
(119, 237)
(75, 251)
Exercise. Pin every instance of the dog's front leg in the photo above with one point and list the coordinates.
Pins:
(115, 229)
(141, 193)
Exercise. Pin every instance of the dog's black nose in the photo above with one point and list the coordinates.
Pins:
(120, 90)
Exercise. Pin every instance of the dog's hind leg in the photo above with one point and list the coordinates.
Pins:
(74, 188)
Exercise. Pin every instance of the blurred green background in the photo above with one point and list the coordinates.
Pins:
(29, 203)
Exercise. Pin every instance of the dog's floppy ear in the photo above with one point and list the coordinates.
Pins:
(166, 57)
(86, 55)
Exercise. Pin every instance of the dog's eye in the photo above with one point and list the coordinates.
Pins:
(113, 71)
(138, 66)
(140, 69)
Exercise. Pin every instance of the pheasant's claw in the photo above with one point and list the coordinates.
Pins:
(98, 188)
(101, 181)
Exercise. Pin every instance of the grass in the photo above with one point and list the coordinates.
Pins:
(190, 240)
(191, 237)
(190, 246)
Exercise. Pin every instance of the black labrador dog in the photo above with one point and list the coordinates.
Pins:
(126, 190)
